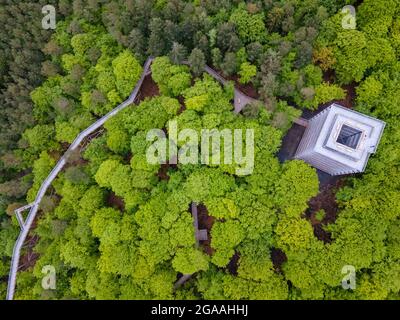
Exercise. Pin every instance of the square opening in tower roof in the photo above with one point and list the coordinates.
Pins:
(349, 136)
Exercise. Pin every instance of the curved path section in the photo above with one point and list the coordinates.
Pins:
(240, 100)
(34, 206)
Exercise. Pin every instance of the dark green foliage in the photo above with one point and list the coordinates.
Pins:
(197, 61)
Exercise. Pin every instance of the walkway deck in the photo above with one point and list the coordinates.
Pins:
(26, 226)
(200, 235)
(240, 101)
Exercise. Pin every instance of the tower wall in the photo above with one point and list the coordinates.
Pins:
(306, 149)
(320, 147)
(311, 134)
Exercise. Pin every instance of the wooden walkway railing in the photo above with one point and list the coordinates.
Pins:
(240, 100)
(34, 206)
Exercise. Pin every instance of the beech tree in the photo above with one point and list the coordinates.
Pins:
(299, 183)
(171, 79)
(189, 261)
(225, 237)
(40, 138)
(247, 72)
(127, 71)
(222, 208)
(250, 26)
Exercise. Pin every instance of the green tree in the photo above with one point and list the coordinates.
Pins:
(250, 26)
(65, 132)
(178, 53)
(189, 261)
(171, 79)
(127, 71)
(225, 237)
(40, 138)
(247, 72)
(229, 65)
(298, 184)
(221, 208)
(197, 61)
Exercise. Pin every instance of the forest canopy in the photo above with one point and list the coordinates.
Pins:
(115, 226)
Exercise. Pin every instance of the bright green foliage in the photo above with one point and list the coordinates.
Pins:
(104, 225)
(105, 171)
(325, 93)
(218, 285)
(190, 260)
(320, 215)
(105, 81)
(171, 106)
(355, 51)
(69, 61)
(298, 184)
(76, 254)
(181, 232)
(120, 180)
(64, 211)
(149, 114)
(139, 144)
(222, 208)
(43, 98)
(207, 183)
(101, 286)
(41, 137)
(65, 132)
(41, 168)
(256, 267)
(113, 97)
(8, 234)
(197, 103)
(369, 90)
(247, 72)
(127, 71)
(25, 280)
(92, 200)
(257, 219)
(225, 237)
(241, 56)
(96, 152)
(82, 42)
(350, 54)
(207, 96)
(210, 284)
(251, 27)
(118, 141)
(171, 79)
(294, 235)
(376, 17)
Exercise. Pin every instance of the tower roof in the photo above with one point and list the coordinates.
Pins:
(339, 140)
